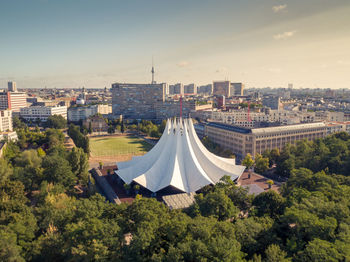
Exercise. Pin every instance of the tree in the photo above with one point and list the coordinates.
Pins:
(261, 164)
(217, 204)
(9, 250)
(111, 129)
(254, 234)
(90, 128)
(274, 155)
(320, 250)
(5, 170)
(79, 162)
(58, 170)
(79, 139)
(17, 123)
(275, 254)
(248, 161)
(122, 128)
(270, 203)
(56, 121)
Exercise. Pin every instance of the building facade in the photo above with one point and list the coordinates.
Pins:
(97, 124)
(222, 88)
(207, 89)
(176, 89)
(242, 141)
(237, 89)
(42, 113)
(6, 121)
(190, 89)
(13, 101)
(11, 86)
(137, 101)
(273, 102)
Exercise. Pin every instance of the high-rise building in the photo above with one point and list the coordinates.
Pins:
(221, 102)
(13, 101)
(190, 89)
(221, 88)
(237, 89)
(137, 101)
(177, 89)
(206, 89)
(11, 86)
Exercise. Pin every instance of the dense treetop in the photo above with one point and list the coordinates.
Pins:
(43, 217)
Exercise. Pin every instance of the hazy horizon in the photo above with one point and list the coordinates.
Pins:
(95, 43)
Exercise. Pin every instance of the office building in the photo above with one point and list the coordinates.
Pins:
(206, 89)
(13, 101)
(177, 89)
(273, 102)
(221, 102)
(190, 89)
(242, 141)
(42, 113)
(137, 101)
(222, 88)
(237, 89)
(170, 109)
(11, 86)
(6, 121)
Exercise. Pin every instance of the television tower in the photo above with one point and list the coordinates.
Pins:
(152, 71)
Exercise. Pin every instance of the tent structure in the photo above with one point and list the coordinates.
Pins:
(179, 159)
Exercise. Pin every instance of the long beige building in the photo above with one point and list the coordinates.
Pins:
(242, 141)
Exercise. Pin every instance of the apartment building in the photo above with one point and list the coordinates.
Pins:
(76, 114)
(34, 113)
(13, 101)
(242, 141)
(6, 121)
(137, 101)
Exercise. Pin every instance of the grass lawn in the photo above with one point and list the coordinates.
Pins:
(112, 146)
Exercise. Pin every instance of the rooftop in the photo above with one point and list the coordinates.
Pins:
(262, 130)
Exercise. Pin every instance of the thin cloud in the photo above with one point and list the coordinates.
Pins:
(284, 35)
(275, 70)
(183, 64)
(279, 8)
(222, 69)
(342, 62)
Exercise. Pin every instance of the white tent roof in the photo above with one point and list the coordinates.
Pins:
(178, 159)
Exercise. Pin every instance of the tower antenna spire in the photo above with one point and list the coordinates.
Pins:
(152, 71)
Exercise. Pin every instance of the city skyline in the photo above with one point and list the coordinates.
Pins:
(95, 43)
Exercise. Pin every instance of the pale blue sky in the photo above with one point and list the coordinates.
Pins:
(92, 43)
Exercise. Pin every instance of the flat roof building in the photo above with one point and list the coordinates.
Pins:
(6, 120)
(137, 101)
(11, 86)
(242, 141)
(222, 88)
(237, 89)
(34, 113)
(13, 101)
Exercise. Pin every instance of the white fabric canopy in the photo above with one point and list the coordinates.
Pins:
(179, 159)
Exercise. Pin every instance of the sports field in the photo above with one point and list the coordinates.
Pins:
(118, 145)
